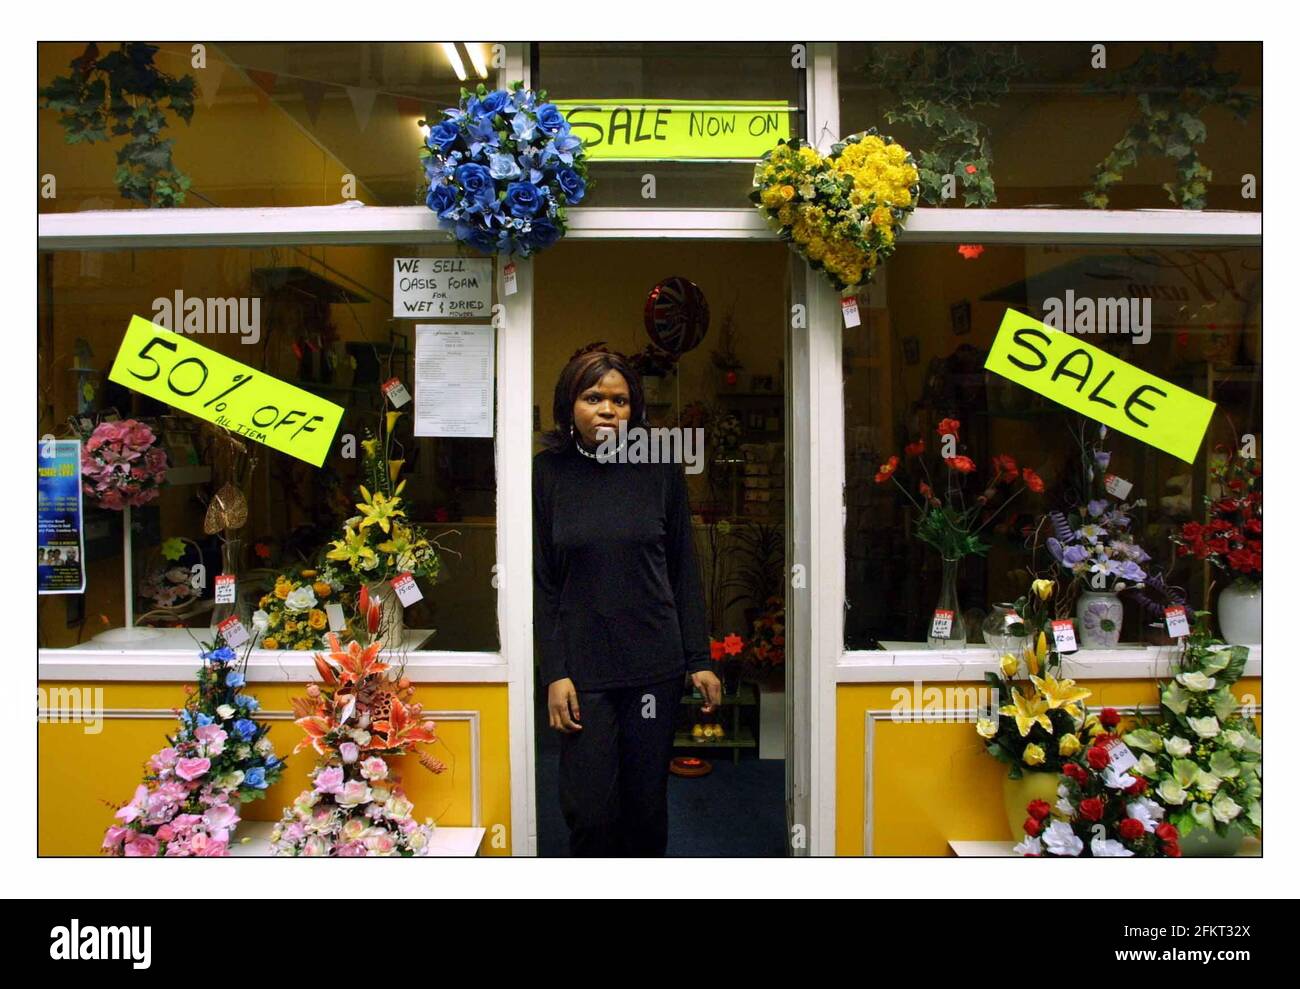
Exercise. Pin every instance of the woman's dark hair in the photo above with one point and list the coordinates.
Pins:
(584, 370)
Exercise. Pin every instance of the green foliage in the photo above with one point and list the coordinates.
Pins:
(948, 530)
(1172, 90)
(937, 86)
(121, 94)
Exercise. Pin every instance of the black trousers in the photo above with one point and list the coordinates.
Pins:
(614, 773)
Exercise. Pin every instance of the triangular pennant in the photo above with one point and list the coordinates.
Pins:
(313, 93)
(363, 101)
(265, 83)
(210, 80)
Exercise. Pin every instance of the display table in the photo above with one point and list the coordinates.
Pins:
(1250, 848)
(253, 840)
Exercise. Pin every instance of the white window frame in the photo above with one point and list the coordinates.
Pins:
(815, 624)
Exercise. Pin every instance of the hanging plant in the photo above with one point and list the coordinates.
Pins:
(937, 85)
(122, 94)
(1173, 89)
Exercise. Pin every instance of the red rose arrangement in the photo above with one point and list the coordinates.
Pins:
(949, 520)
(1232, 540)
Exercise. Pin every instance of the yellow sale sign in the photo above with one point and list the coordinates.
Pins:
(1086, 379)
(188, 376)
(658, 130)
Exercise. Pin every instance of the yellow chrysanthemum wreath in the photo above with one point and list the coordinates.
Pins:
(841, 211)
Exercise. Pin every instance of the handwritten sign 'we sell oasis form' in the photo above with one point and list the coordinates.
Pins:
(1086, 379)
(451, 288)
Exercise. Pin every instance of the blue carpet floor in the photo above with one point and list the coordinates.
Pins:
(736, 811)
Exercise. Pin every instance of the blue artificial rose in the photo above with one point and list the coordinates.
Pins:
(493, 102)
(245, 729)
(476, 237)
(223, 655)
(544, 234)
(202, 719)
(571, 184)
(441, 198)
(551, 120)
(247, 701)
(272, 762)
(477, 183)
(443, 137)
(503, 166)
(523, 199)
(255, 777)
(234, 679)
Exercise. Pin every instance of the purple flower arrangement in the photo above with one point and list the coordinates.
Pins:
(1095, 544)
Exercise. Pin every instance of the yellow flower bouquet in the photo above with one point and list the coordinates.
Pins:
(292, 614)
(841, 211)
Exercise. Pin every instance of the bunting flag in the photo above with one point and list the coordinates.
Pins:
(313, 93)
(210, 79)
(264, 84)
(363, 101)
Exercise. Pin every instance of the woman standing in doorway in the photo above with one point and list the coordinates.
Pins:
(619, 612)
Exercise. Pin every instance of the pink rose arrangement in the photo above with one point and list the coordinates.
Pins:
(359, 718)
(121, 465)
(219, 758)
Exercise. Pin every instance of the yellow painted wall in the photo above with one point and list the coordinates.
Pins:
(81, 774)
(933, 782)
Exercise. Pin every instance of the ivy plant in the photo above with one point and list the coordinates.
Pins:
(1172, 90)
(122, 94)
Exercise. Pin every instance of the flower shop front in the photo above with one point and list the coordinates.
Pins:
(975, 587)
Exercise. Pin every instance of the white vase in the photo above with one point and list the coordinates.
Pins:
(1101, 615)
(1241, 612)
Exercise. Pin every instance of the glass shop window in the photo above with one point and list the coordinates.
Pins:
(322, 320)
(1134, 125)
(243, 123)
(704, 111)
(917, 359)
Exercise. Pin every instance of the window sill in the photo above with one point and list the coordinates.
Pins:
(910, 662)
(173, 655)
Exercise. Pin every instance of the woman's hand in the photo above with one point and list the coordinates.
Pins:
(710, 686)
(562, 703)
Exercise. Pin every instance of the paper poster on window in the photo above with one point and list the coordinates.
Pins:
(455, 379)
(60, 548)
(442, 288)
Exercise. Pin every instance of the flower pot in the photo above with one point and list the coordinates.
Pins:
(1206, 843)
(1241, 612)
(1017, 794)
(948, 602)
(391, 615)
(1101, 616)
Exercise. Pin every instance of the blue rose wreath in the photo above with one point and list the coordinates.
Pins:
(502, 168)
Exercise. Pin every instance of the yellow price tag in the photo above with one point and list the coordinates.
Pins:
(1086, 379)
(195, 379)
(649, 130)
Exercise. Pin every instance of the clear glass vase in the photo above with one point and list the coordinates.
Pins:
(232, 558)
(956, 638)
(1005, 631)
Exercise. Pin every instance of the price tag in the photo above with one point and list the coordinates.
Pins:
(396, 392)
(941, 626)
(1117, 486)
(233, 631)
(1013, 619)
(849, 304)
(408, 592)
(511, 286)
(1122, 758)
(1176, 621)
(225, 588)
(1063, 633)
(334, 612)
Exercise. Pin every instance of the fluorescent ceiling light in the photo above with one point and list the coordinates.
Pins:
(453, 56)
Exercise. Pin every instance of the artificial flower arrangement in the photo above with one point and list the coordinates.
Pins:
(502, 170)
(219, 758)
(122, 465)
(380, 543)
(1203, 759)
(357, 719)
(841, 211)
(767, 644)
(168, 584)
(1040, 717)
(1232, 541)
(654, 361)
(946, 521)
(1102, 810)
(292, 614)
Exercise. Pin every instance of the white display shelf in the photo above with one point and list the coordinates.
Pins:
(446, 843)
(1250, 848)
(904, 662)
(167, 654)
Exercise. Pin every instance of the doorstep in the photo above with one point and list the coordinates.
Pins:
(253, 840)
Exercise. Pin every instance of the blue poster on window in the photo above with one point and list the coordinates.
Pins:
(60, 551)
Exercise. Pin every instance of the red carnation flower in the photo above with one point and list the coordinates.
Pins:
(962, 464)
(1039, 809)
(1109, 717)
(1033, 827)
(1166, 831)
(1137, 787)
(1092, 808)
(1130, 829)
(1098, 758)
(1173, 850)
(1032, 481)
(1075, 772)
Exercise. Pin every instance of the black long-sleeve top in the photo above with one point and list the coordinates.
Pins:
(616, 585)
